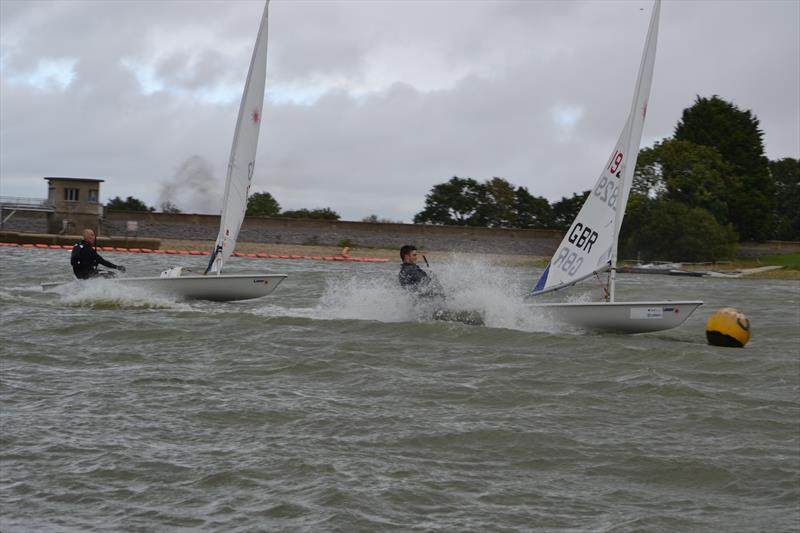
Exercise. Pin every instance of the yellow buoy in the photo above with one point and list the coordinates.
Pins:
(728, 327)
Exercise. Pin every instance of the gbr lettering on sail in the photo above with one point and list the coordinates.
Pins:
(587, 243)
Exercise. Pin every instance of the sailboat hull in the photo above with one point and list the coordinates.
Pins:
(223, 288)
(621, 317)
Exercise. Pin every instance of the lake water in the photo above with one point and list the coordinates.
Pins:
(330, 406)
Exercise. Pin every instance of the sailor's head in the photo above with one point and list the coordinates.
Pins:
(408, 254)
(88, 235)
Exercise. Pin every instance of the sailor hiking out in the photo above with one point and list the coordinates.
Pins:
(85, 259)
(413, 278)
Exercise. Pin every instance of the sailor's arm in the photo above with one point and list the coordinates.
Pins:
(109, 264)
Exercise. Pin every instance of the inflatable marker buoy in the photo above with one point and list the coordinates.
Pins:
(728, 327)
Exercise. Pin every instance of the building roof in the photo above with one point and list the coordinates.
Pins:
(72, 179)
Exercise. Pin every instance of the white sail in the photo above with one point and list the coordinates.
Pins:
(590, 245)
(243, 152)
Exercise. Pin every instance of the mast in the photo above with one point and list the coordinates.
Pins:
(634, 127)
(243, 152)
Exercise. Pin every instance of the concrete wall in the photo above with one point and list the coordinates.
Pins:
(335, 233)
(26, 222)
(69, 240)
(41, 222)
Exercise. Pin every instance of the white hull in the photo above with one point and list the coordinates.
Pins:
(223, 288)
(621, 317)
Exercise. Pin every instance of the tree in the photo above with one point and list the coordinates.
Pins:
(733, 132)
(786, 175)
(694, 175)
(454, 202)
(566, 209)
(318, 214)
(532, 211)
(737, 137)
(672, 231)
(647, 178)
(496, 202)
(129, 204)
(262, 204)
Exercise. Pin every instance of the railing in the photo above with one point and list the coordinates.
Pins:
(26, 204)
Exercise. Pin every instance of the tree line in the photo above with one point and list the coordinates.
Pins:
(258, 204)
(694, 195)
(495, 203)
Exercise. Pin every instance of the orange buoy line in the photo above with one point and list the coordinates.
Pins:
(259, 255)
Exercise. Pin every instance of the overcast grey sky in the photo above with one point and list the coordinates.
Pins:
(370, 103)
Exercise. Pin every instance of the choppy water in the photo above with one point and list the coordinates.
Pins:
(329, 407)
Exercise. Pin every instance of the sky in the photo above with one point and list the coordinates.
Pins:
(370, 103)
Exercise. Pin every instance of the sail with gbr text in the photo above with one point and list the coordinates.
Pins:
(590, 245)
(587, 246)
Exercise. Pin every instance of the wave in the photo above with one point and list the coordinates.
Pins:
(105, 294)
(473, 291)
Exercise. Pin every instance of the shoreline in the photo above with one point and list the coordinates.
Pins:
(390, 255)
(741, 268)
(747, 269)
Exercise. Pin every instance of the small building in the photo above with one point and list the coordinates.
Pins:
(76, 203)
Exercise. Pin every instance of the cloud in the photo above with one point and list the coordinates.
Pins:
(370, 104)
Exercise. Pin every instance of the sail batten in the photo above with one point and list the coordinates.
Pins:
(243, 151)
(591, 243)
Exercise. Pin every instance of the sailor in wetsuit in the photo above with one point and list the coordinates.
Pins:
(84, 259)
(412, 277)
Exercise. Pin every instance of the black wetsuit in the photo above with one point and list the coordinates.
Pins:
(412, 277)
(85, 259)
(416, 280)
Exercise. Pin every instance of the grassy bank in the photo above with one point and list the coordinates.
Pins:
(789, 261)
(790, 264)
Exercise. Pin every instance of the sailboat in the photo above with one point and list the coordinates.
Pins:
(212, 284)
(590, 246)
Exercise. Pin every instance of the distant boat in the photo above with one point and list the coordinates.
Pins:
(669, 269)
(212, 284)
(590, 246)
